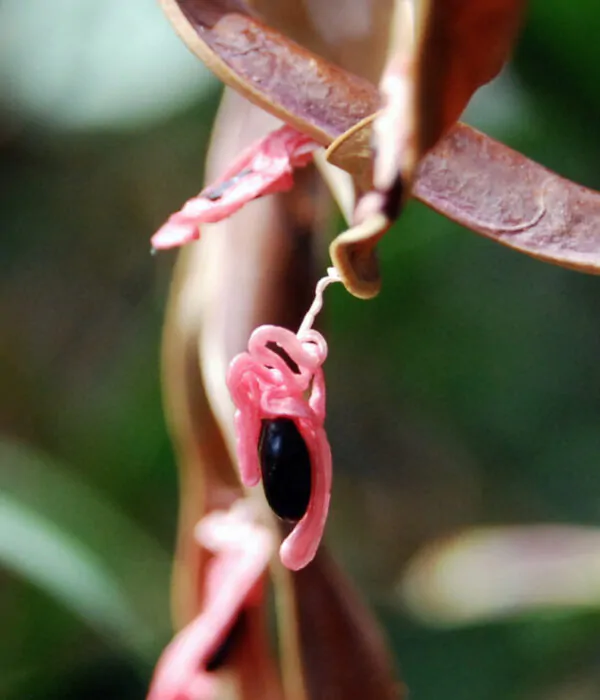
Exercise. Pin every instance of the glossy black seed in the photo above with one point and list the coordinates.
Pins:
(223, 651)
(285, 467)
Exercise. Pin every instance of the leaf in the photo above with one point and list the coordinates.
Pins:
(490, 573)
(51, 559)
(49, 536)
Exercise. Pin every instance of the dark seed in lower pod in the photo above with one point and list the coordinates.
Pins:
(286, 469)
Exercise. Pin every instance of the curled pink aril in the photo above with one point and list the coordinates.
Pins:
(233, 583)
(263, 168)
(281, 376)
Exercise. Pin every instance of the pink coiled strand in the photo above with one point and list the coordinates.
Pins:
(264, 386)
(263, 168)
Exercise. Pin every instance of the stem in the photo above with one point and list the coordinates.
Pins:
(332, 276)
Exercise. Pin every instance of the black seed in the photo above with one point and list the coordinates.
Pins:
(285, 467)
(223, 651)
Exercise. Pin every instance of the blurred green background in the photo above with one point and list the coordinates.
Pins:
(467, 395)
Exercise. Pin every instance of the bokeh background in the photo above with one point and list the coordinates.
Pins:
(464, 402)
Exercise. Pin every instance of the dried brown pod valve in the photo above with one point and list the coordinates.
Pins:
(438, 56)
